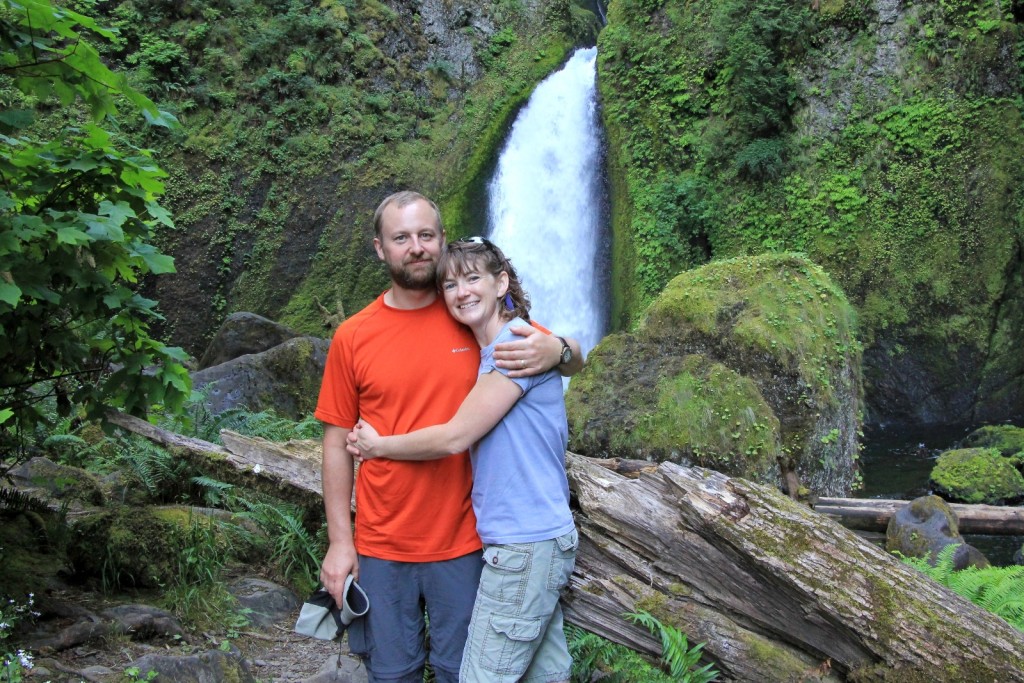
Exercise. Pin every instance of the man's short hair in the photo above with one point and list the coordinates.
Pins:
(400, 200)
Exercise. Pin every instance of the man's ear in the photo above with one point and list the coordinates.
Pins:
(377, 247)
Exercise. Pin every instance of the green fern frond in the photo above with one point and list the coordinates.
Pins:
(999, 590)
(677, 654)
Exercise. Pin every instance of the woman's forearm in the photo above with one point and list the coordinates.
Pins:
(429, 443)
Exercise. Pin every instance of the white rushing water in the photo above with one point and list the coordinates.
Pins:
(546, 199)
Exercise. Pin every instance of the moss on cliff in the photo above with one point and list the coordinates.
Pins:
(888, 148)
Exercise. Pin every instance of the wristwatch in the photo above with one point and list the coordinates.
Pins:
(566, 352)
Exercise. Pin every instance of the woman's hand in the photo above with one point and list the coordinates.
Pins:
(364, 442)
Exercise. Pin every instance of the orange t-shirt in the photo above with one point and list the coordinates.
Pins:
(402, 370)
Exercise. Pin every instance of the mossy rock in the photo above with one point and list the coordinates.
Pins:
(132, 546)
(284, 379)
(977, 475)
(1007, 439)
(737, 366)
(55, 481)
(924, 528)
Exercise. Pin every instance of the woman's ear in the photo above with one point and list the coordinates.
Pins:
(502, 284)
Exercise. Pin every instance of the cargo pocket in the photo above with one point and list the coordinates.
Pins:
(509, 645)
(505, 574)
(563, 560)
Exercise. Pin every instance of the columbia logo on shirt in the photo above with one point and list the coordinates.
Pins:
(461, 349)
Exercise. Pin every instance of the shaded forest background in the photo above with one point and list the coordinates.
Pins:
(883, 139)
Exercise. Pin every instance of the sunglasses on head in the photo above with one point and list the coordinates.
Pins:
(475, 240)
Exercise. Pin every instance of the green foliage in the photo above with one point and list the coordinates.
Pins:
(676, 653)
(999, 590)
(760, 160)
(78, 209)
(294, 552)
(593, 656)
(760, 40)
(163, 476)
(197, 592)
(197, 421)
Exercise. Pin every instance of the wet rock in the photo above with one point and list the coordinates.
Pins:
(49, 480)
(212, 666)
(268, 602)
(924, 528)
(285, 379)
(143, 622)
(340, 669)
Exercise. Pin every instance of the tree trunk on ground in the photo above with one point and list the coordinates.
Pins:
(873, 514)
(289, 471)
(776, 591)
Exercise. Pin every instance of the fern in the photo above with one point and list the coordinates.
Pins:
(201, 423)
(614, 663)
(676, 652)
(159, 472)
(296, 552)
(999, 590)
(594, 656)
(215, 492)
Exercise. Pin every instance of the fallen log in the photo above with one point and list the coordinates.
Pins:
(776, 591)
(290, 471)
(873, 514)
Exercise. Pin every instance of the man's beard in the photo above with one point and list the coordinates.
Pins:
(406, 279)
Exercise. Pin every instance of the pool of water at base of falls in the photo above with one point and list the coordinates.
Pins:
(897, 461)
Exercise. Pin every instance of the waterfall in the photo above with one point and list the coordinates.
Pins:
(546, 203)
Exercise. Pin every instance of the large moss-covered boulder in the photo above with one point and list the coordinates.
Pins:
(739, 366)
(977, 475)
(242, 333)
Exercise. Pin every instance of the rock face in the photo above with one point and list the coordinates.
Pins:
(285, 378)
(926, 526)
(743, 366)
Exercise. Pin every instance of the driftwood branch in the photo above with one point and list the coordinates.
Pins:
(873, 514)
(290, 471)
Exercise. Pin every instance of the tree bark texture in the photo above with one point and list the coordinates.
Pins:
(776, 591)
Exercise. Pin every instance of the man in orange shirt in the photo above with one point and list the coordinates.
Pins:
(402, 363)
